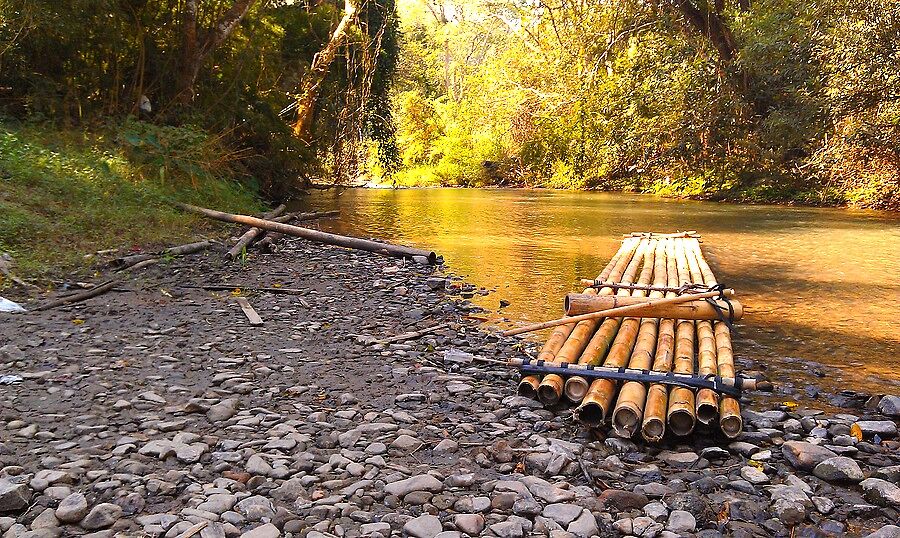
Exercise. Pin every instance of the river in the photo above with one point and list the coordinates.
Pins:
(821, 287)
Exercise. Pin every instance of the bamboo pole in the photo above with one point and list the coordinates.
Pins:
(729, 409)
(626, 417)
(528, 386)
(551, 386)
(583, 303)
(706, 401)
(596, 350)
(680, 416)
(385, 249)
(654, 425)
(593, 409)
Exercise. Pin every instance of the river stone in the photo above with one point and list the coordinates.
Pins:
(72, 509)
(882, 428)
(890, 406)
(805, 456)
(101, 516)
(790, 504)
(424, 526)
(681, 522)
(888, 531)
(584, 526)
(13, 497)
(823, 505)
(422, 482)
(881, 492)
(753, 475)
(839, 469)
(562, 513)
(622, 499)
(547, 491)
(508, 529)
(471, 524)
(263, 531)
(218, 503)
(891, 473)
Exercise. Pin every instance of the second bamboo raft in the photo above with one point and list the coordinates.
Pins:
(647, 267)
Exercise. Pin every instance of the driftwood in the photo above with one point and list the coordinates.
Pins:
(251, 314)
(267, 243)
(128, 261)
(269, 238)
(250, 235)
(225, 287)
(385, 249)
(99, 289)
(412, 334)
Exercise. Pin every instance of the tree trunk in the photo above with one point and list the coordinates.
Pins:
(193, 53)
(309, 86)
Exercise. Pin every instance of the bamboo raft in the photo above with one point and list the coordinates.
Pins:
(647, 345)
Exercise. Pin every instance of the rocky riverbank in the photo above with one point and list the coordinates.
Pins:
(158, 411)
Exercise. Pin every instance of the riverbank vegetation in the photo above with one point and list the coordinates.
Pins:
(780, 100)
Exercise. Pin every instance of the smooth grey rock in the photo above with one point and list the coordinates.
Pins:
(681, 522)
(584, 526)
(508, 529)
(72, 509)
(263, 531)
(218, 503)
(883, 428)
(562, 513)
(881, 492)
(424, 526)
(547, 491)
(422, 482)
(447, 446)
(101, 516)
(889, 406)
(790, 504)
(471, 524)
(753, 475)
(805, 456)
(45, 520)
(888, 531)
(839, 469)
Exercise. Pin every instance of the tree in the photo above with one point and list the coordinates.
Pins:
(194, 51)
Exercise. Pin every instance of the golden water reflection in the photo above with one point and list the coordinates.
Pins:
(820, 285)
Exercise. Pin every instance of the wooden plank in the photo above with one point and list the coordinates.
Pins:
(251, 314)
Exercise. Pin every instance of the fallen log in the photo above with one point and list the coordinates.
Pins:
(582, 303)
(226, 287)
(357, 243)
(267, 243)
(182, 250)
(99, 289)
(250, 235)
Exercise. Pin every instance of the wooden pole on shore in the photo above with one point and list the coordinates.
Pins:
(577, 304)
(626, 417)
(622, 311)
(551, 387)
(357, 243)
(598, 400)
(653, 427)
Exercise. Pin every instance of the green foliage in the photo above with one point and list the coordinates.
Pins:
(79, 62)
(629, 96)
(64, 194)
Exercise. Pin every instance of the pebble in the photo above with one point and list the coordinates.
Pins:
(881, 492)
(681, 522)
(839, 469)
(424, 526)
(72, 509)
(422, 482)
(805, 456)
(471, 524)
(101, 516)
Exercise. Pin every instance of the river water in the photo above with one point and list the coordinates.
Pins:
(821, 287)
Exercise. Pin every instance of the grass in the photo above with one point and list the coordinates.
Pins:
(64, 195)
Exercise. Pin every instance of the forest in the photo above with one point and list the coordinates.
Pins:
(747, 100)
